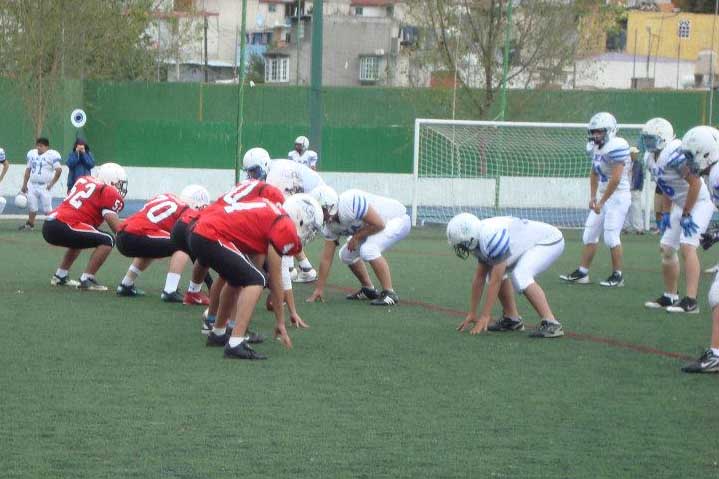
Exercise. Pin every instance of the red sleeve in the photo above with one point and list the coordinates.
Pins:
(284, 238)
(111, 200)
(272, 193)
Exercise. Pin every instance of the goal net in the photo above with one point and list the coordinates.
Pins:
(537, 171)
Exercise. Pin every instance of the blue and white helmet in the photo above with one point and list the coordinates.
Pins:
(493, 241)
(463, 233)
(700, 146)
(256, 163)
(602, 121)
(656, 134)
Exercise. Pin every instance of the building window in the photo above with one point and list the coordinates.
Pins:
(271, 8)
(369, 69)
(390, 10)
(277, 69)
(359, 11)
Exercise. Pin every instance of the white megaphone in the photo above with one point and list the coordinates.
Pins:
(78, 118)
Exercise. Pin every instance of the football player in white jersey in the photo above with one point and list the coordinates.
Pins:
(292, 177)
(609, 198)
(687, 210)
(373, 224)
(43, 170)
(302, 153)
(511, 252)
(5, 166)
(701, 146)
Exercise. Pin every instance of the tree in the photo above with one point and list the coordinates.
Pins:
(45, 41)
(468, 36)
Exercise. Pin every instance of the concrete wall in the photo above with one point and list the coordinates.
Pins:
(615, 71)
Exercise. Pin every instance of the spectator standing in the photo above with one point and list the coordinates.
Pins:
(79, 162)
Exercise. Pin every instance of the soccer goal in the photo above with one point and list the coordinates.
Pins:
(537, 171)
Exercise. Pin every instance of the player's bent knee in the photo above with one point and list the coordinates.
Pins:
(714, 294)
(521, 282)
(348, 257)
(589, 238)
(669, 255)
(369, 252)
(612, 239)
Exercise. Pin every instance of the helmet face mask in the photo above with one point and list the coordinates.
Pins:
(602, 128)
(656, 134)
(462, 234)
(301, 144)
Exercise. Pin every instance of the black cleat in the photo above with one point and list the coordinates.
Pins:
(386, 298)
(217, 340)
(63, 281)
(547, 330)
(575, 276)
(91, 284)
(363, 293)
(615, 280)
(686, 305)
(174, 297)
(707, 363)
(129, 291)
(242, 351)
(661, 302)
(506, 324)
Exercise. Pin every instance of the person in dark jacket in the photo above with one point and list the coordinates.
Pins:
(79, 162)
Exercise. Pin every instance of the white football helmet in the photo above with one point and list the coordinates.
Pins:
(21, 200)
(327, 198)
(463, 233)
(700, 145)
(256, 163)
(493, 241)
(656, 134)
(307, 215)
(303, 141)
(602, 122)
(196, 196)
(113, 174)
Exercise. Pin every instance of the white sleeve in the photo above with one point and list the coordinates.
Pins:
(56, 160)
(353, 206)
(2, 155)
(618, 150)
(312, 158)
(287, 263)
(29, 158)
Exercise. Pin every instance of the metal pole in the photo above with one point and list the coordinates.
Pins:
(316, 78)
(679, 54)
(649, 50)
(297, 41)
(711, 65)
(634, 62)
(206, 61)
(240, 90)
(505, 63)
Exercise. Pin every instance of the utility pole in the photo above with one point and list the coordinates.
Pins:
(316, 80)
(204, 14)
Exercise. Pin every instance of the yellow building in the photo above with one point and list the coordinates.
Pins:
(664, 30)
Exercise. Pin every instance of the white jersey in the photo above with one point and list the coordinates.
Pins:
(713, 183)
(42, 167)
(352, 208)
(290, 177)
(604, 159)
(308, 158)
(2, 155)
(523, 235)
(669, 170)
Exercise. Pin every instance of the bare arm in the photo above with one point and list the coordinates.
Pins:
(58, 172)
(373, 224)
(328, 254)
(5, 167)
(593, 185)
(495, 282)
(695, 184)
(113, 221)
(617, 172)
(25, 179)
(274, 265)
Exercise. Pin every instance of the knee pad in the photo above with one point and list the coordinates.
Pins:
(369, 252)
(714, 294)
(611, 238)
(669, 255)
(3, 202)
(588, 238)
(347, 256)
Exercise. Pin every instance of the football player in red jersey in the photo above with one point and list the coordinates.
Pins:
(235, 238)
(73, 224)
(145, 236)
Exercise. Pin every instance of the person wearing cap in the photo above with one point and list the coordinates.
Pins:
(79, 162)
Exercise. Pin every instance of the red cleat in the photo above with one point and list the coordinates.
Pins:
(199, 299)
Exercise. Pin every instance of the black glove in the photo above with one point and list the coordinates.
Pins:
(709, 238)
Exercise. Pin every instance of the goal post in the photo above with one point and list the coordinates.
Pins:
(537, 171)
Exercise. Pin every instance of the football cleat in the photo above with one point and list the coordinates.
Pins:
(363, 293)
(306, 276)
(686, 305)
(661, 302)
(575, 276)
(129, 291)
(242, 351)
(26, 227)
(547, 330)
(386, 298)
(91, 284)
(199, 298)
(506, 324)
(615, 280)
(63, 281)
(206, 326)
(217, 340)
(707, 363)
(174, 297)
(714, 269)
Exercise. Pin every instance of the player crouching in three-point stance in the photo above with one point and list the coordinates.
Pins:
(74, 223)
(609, 198)
(146, 236)
(687, 210)
(701, 147)
(235, 238)
(374, 224)
(511, 252)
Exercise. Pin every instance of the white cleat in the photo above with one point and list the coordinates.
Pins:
(713, 270)
(306, 276)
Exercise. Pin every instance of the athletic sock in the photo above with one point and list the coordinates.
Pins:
(61, 273)
(236, 341)
(553, 321)
(672, 296)
(172, 282)
(85, 276)
(715, 351)
(583, 270)
(194, 287)
(305, 265)
(218, 331)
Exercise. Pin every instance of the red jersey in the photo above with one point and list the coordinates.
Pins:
(88, 201)
(188, 215)
(249, 227)
(245, 191)
(157, 217)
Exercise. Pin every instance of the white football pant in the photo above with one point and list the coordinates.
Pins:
(609, 221)
(37, 193)
(701, 214)
(373, 247)
(533, 262)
